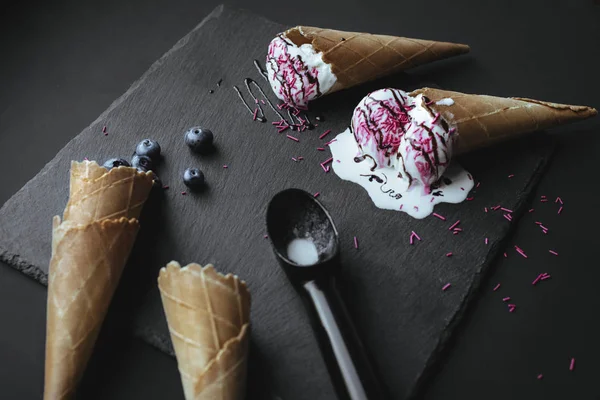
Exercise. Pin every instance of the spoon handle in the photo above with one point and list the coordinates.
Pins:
(344, 354)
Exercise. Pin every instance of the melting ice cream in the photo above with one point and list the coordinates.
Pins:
(304, 63)
(400, 150)
(297, 74)
(400, 145)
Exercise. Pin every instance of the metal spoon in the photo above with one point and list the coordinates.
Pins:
(295, 214)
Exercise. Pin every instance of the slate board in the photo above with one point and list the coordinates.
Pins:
(392, 289)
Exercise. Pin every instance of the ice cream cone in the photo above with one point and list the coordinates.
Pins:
(208, 316)
(358, 57)
(87, 261)
(97, 194)
(482, 120)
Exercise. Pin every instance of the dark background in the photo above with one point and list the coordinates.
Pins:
(63, 63)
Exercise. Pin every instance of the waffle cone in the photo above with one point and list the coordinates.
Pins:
(208, 316)
(97, 194)
(87, 261)
(485, 120)
(358, 57)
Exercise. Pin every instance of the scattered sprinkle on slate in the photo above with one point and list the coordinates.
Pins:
(439, 216)
(325, 133)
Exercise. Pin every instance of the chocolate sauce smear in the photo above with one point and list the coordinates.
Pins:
(296, 119)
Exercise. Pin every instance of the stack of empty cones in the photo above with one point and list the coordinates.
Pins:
(208, 315)
(89, 250)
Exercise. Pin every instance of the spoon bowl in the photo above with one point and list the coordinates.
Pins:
(295, 214)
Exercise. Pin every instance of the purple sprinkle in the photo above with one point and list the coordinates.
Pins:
(355, 242)
(325, 133)
(454, 225)
(439, 216)
(496, 287)
(445, 287)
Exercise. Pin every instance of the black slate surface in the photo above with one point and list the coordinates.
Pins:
(392, 289)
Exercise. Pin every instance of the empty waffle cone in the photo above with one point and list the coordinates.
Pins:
(86, 265)
(97, 193)
(357, 57)
(483, 120)
(208, 315)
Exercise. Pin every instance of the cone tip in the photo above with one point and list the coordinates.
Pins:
(462, 48)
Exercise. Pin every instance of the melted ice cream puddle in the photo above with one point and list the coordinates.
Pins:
(302, 252)
(390, 193)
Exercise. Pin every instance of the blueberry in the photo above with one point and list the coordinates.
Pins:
(149, 148)
(199, 139)
(115, 162)
(193, 178)
(142, 163)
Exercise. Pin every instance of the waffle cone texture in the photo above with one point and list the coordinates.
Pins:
(90, 247)
(209, 322)
(358, 57)
(483, 120)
